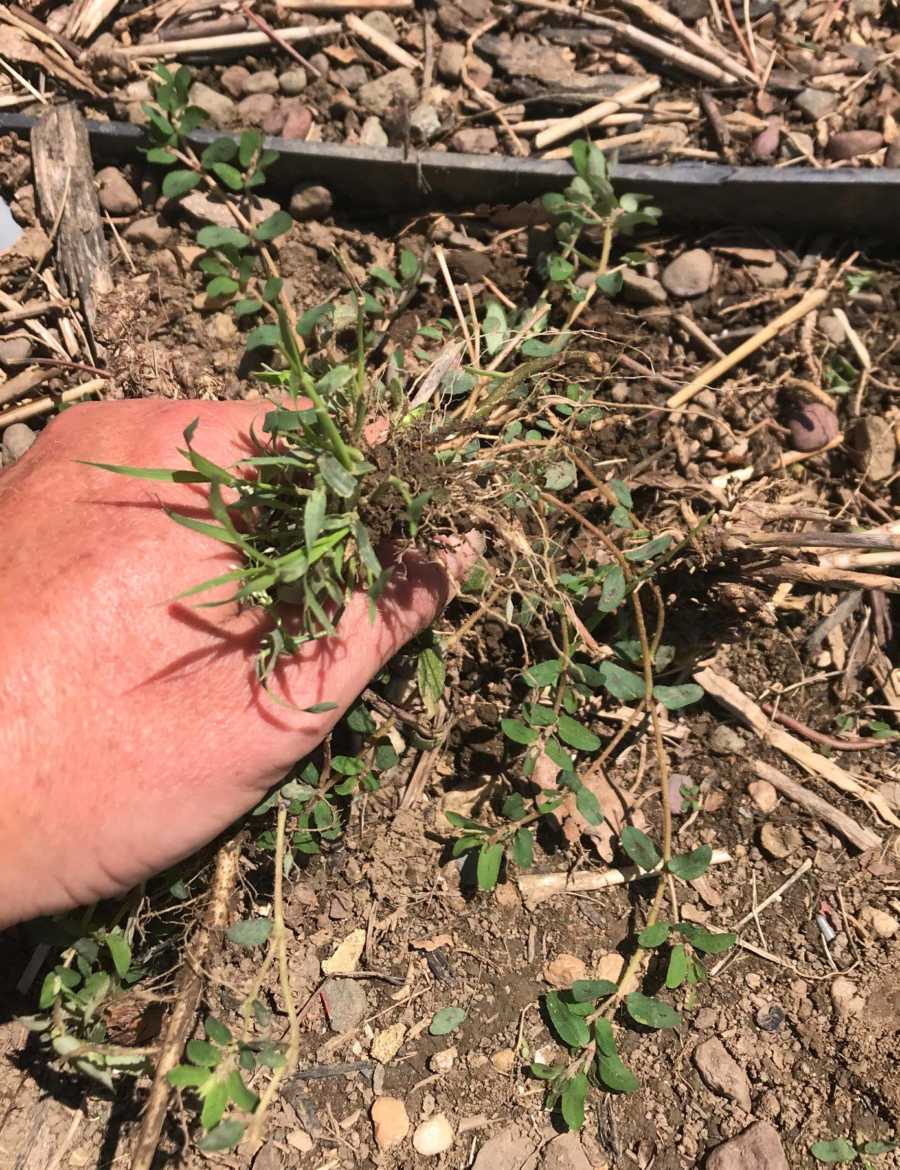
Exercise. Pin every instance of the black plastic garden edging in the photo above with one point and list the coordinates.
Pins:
(845, 201)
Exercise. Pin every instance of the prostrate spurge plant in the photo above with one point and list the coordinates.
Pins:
(494, 442)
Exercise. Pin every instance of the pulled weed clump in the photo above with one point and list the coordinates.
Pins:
(355, 455)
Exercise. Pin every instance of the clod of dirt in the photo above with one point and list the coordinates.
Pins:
(345, 1003)
(311, 201)
(763, 795)
(758, 1146)
(813, 426)
(443, 1061)
(205, 208)
(610, 967)
(565, 1153)
(564, 970)
(433, 1136)
(507, 1150)
(387, 1043)
(268, 1158)
(346, 955)
(872, 447)
(779, 842)
(881, 923)
(690, 275)
(725, 741)
(504, 1060)
(845, 998)
(390, 1121)
(721, 1073)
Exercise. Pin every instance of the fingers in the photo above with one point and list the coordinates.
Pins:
(337, 669)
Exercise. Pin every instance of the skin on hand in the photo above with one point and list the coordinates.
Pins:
(131, 727)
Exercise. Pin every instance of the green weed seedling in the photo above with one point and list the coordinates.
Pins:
(841, 1150)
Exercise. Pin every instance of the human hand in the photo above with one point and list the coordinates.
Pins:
(131, 726)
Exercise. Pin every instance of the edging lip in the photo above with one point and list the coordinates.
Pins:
(846, 201)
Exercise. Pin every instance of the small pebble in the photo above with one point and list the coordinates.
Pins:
(832, 328)
(564, 970)
(219, 106)
(17, 438)
(433, 1136)
(763, 795)
(504, 1060)
(263, 82)
(443, 1061)
(381, 23)
(770, 1019)
(233, 79)
(149, 231)
(390, 1121)
(15, 350)
(311, 201)
(816, 103)
(872, 447)
(882, 923)
(293, 81)
(690, 274)
(115, 193)
(725, 741)
(813, 426)
(298, 122)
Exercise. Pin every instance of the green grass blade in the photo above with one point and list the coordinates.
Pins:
(160, 473)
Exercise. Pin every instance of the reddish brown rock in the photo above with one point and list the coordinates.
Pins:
(813, 426)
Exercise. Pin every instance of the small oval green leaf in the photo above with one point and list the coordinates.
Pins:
(446, 1020)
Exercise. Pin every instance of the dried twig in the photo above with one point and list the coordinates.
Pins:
(347, 5)
(852, 830)
(805, 305)
(278, 39)
(819, 575)
(733, 698)
(42, 405)
(706, 47)
(380, 42)
(538, 887)
(181, 1018)
(638, 39)
(227, 43)
(563, 127)
(786, 459)
(829, 741)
